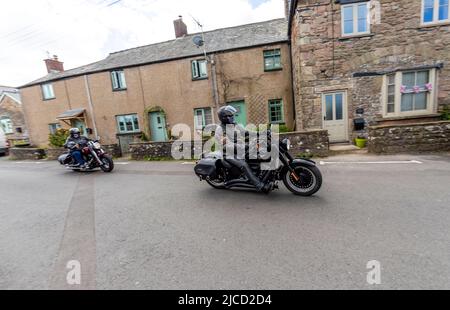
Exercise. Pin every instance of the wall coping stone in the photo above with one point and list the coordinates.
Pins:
(409, 125)
(400, 118)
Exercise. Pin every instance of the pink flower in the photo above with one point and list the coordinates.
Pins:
(403, 89)
(416, 89)
(429, 86)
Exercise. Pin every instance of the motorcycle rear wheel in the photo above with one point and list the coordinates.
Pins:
(310, 181)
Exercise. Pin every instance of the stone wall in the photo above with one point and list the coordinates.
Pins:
(26, 153)
(53, 154)
(113, 150)
(420, 137)
(325, 61)
(308, 143)
(150, 150)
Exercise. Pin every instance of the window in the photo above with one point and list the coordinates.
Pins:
(272, 60)
(128, 123)
(435, 11)
(118, 80)
(53, 128)
(355, 19)
(276, 114)
(410, 92)
(199, 69)
(202, 118)
(6, 125)
(47, 92)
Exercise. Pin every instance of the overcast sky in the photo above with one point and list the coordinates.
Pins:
(85, 31)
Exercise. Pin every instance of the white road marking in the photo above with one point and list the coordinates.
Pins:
(28, 162)
(122, 163)
(322, 163)
(188, 163)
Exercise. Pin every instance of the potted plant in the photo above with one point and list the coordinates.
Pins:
(361, 141)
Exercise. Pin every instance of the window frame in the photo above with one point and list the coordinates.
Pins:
(118, 78)
(266, 69)
(48, 86)
(204, 124)
(355, 32)
(135, 118)
(435, 20)
(196, 64)
(281, 105)
(7, 125)
(431, 97)
(53, 131)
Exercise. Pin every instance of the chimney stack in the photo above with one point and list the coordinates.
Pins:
(54, 65)
(180, 27)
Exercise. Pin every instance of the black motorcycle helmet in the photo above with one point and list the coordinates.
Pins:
(226, 115)
(75, 133)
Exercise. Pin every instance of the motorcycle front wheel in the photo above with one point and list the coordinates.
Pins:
(309, 183)
(108, 164)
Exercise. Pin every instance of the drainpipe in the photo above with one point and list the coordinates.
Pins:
(214, 84)
(91, 107)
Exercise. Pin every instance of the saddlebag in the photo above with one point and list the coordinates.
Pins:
(65, 159)
(206, 168)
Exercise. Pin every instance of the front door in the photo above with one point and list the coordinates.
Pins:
(158, 127)
(335, 116)
(241, 115)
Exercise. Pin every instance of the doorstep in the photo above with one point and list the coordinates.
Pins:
(346, 148)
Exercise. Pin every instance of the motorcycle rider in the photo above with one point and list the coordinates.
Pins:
(80, 141)
(226, 134)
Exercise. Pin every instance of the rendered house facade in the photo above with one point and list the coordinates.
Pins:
(143, 92)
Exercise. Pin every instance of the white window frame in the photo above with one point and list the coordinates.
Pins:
(118, 80)
(435, 20)
(431, 97)
(7, 125)
(135, 129)
(47, 91)
(196, 66)
(354, 7)
(204, 124)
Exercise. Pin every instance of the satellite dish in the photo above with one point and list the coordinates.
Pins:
(198, 40)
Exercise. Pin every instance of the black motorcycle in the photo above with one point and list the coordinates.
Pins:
(93, 154)
(300, 176)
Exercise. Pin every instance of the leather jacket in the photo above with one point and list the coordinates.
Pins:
(81, 141)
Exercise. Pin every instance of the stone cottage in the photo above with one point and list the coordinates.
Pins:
(358, 63)
(12, 120)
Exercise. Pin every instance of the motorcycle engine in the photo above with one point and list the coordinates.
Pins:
(234, 173)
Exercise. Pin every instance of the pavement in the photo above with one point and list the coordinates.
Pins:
(154, 225)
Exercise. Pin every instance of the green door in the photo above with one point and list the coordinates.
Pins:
(241, 115)
(158, 126)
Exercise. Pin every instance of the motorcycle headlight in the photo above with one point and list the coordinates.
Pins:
(97, 146)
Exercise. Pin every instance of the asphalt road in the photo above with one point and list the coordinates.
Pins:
(155, 226)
